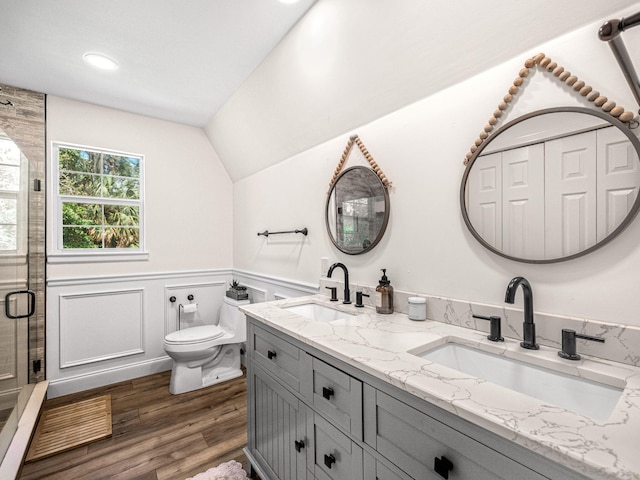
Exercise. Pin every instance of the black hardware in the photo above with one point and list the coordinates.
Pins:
(190, 297)
(495, 330)
(327, 392)
(266, 233)
(271, 354)
(347, 293)
(528, 327)
(172, 299)
(569, 343)
(8, 103)
(37, 365)
(37, 185)
(32, 303)
(334, 293)
(329, 460)
(298, 444)
(442, 466)
(359, 296)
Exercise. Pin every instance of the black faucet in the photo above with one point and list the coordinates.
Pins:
(528, 327)
(347, 294)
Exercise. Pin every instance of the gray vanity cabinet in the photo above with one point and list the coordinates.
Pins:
(337, 396)
(283, 360)
(417, 443)
(312, 416)
(333, 455)
(278, 438)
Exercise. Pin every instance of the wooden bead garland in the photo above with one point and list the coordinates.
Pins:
(374, 166)
(562, 75)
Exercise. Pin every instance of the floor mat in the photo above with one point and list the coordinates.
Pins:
(230, 470)
(69, 426)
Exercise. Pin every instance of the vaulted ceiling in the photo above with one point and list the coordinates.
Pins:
(231, 66)
(178, 60)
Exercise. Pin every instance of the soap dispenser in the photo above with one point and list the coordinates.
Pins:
(384, 294)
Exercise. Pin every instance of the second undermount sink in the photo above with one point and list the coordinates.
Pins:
(586, 397)
(318, 313)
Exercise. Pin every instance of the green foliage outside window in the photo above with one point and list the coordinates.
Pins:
(100, 199)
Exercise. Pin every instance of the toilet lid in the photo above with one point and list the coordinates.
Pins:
(195, 334)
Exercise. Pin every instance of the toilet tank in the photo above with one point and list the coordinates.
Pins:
(233, 320)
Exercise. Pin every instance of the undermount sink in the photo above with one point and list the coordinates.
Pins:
(318, 313)
(586, 397)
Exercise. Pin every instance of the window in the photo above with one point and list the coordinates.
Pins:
(98, 201)
(13, 198)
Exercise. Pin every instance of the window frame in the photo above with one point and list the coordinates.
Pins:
(57, 253)
(21, 198)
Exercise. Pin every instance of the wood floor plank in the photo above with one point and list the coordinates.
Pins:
(155, 434)
(201, 461)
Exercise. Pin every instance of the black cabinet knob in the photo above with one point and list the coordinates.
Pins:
(442, 466)
(271, 354)
(329, 460)
(299, 445)
(327, 392)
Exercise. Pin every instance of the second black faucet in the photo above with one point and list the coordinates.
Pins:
(528, 326)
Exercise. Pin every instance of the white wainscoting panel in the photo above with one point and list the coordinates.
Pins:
(100, 326)
(107, 329)
(208, 298)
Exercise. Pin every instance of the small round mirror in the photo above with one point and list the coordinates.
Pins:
(552, 185)
(357, 210)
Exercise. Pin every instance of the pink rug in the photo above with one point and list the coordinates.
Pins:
(231, 470)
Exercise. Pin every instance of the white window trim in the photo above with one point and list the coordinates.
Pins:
(56, 253)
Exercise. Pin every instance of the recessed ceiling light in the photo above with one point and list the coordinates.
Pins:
(289, 1)
(101, 61)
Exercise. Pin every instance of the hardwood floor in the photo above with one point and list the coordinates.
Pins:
(156, 435)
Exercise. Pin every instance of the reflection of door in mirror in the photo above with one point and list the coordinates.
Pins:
(555, 197)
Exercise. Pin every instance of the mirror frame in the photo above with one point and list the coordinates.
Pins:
(624, 127)
(385, 221)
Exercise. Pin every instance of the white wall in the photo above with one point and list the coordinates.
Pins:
(188, 194)
(420, 148)
(347, 63)
(106, 321)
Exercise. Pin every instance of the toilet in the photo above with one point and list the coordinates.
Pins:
(208, 354)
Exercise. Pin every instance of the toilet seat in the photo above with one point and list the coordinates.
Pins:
(194, 335)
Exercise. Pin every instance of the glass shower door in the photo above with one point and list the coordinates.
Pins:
(22, 261)
(14, 273)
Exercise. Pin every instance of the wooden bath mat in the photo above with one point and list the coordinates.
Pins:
(69, 426)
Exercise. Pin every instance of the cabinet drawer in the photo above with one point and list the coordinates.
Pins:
(376, 469)
(333, 455)
(420, 445)
(279, 357)
(337, 395)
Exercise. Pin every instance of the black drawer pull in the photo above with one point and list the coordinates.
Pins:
(271, 354)
(299, 445)
(327, 392)
(442, 466)
(329, 460)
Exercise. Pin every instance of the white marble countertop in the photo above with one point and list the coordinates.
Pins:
(379, 345)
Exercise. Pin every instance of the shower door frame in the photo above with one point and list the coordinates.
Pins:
(22, 119)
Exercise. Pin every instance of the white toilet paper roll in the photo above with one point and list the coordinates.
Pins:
(192, 307)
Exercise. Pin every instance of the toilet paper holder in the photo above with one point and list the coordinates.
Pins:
(173, 298)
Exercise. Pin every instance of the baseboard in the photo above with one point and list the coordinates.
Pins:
(79, 383)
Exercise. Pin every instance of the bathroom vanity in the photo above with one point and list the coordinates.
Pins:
(350, 396)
